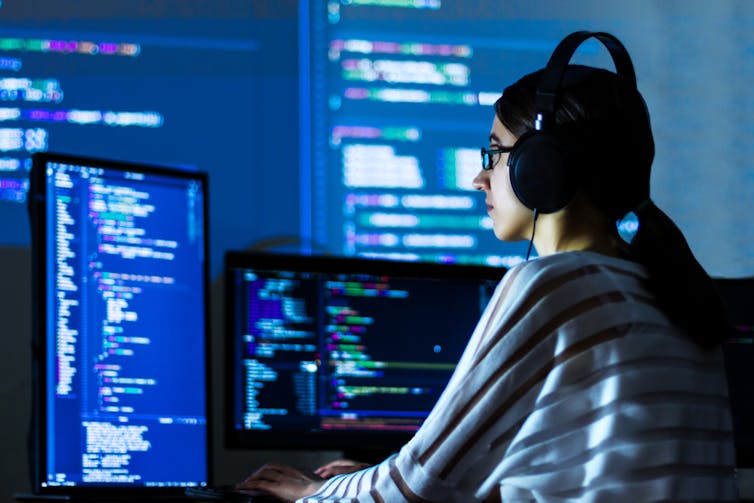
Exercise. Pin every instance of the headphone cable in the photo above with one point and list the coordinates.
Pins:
(533, 228)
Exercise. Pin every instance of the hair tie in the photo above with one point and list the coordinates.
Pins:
(628, 225)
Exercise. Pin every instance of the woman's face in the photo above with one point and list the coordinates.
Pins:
(510, 218)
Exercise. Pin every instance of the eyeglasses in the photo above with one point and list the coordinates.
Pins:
(489, 156)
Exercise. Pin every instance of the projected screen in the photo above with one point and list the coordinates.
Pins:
(395, 101)
(398, 99)
(342, 353)
(176, 83)
(119, 319)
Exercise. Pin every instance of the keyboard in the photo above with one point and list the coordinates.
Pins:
(230, 495)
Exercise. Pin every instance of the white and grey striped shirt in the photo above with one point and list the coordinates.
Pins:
(573, 387)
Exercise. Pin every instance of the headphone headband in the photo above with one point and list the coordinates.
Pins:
(549, 85)
(546, 165)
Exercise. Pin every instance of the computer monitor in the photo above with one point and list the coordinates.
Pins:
(119, 256)
(342, 353)
(738, 296)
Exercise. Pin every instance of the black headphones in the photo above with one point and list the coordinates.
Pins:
(543, 166)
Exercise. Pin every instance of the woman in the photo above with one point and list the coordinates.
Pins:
(595, 373)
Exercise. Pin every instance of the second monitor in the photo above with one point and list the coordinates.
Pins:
(342, 353)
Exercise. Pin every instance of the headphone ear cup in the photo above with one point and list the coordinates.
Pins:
(542, 172)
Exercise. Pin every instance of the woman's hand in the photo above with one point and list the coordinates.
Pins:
(339, 467)
(284, 482)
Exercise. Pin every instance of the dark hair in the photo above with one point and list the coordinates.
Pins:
(606, 123)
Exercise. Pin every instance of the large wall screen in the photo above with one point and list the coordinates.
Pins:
(397, 99)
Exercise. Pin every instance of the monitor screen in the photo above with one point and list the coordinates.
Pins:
(120, 324)
(738, 298)
(342, 353)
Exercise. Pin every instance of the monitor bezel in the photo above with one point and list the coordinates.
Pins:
(365, 446)
(37, 204)
(737, 295)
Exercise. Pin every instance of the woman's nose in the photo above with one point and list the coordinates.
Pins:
(481, 180)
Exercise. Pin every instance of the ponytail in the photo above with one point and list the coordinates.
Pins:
(613, 117)
(683, 289)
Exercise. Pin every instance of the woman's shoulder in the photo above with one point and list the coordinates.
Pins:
(568, 260)
(570, 265)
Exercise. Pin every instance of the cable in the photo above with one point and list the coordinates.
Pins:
(533, 228)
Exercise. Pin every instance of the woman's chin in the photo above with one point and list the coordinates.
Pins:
(507, 235)
(504, 237)
(502, 234)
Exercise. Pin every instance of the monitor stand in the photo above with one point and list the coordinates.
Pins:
(41, 497)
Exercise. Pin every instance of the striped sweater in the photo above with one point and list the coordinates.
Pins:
(573, 387)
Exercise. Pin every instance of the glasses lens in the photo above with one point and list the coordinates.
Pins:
(486, 159)
(491, 156)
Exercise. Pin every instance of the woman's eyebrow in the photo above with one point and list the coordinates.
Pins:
(495, 139)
